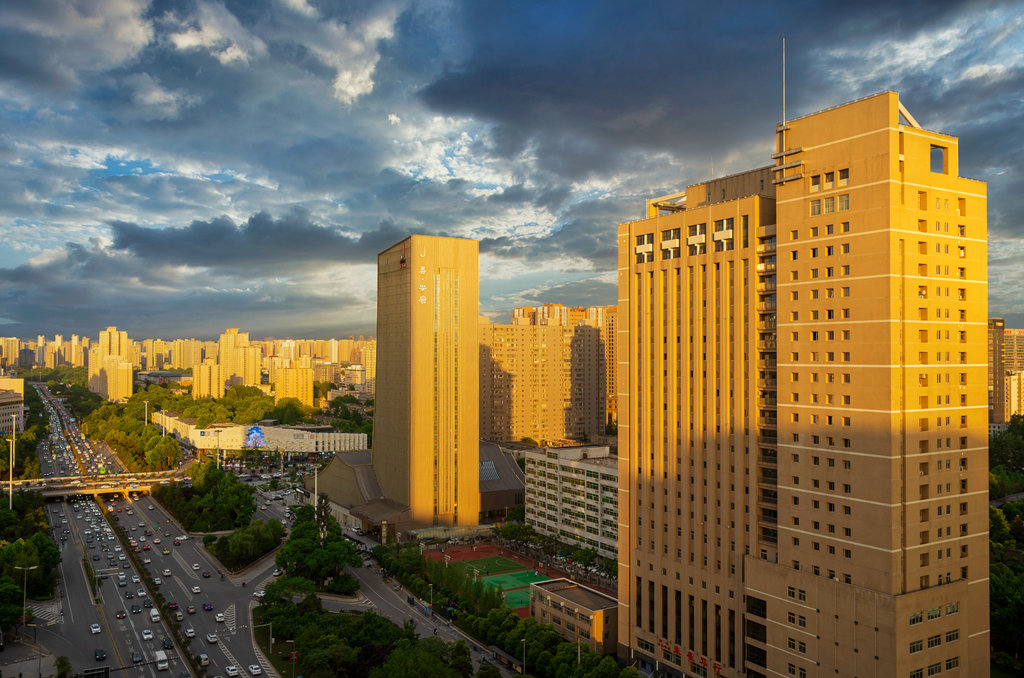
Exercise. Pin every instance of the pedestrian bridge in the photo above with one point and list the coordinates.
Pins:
(124, 483)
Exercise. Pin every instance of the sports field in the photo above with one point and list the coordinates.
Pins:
(487, 566)
(502, 574)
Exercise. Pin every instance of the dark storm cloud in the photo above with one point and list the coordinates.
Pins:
(262, 242)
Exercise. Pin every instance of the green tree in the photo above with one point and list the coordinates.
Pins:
(63, 666)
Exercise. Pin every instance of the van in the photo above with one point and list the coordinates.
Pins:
(154, 615)
(204, 660)
(178, 615)
(160, 657)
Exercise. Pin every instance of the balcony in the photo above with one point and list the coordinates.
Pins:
(768, 498)
(767, 402)
(765, 286)
(766, 343)
(771, 439)
(766, 267)
(770, 459)
(766, 248)
(767, 363)
(768, 422)
(766, 306)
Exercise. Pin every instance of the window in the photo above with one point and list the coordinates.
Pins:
(844, 202)
(934, 613)
(934, 641)
(844, 177)
(830, 205)
(815, 208)
(935, 669)
(951, 608)
(952, 663)
(952, 636)
(916, 646)
(816, 183)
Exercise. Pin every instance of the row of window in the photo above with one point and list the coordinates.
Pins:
(840, 203)
(936, 668)
(829, 180)
(934, 613)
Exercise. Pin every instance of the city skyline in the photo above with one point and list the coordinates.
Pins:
(177, 169)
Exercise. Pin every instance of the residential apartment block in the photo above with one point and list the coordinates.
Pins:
(544, 382)
(572, 495)
(802, 411)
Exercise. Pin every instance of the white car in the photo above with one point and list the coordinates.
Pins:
(158, 581)
(195, 589)
(95, 628)
(231, 671)
(255, 669)
(211, 638)
(219, 617)
(167, 573)
(147, 634)
(260, 593)
(190, 632)
(195, 566)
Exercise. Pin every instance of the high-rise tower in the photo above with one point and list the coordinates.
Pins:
(425, 444)
(802, 411)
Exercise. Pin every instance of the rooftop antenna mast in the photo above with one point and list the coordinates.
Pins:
(783, 80)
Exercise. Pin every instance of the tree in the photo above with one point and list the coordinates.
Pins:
(63, 666)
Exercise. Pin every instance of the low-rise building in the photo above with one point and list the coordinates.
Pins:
(577, 613)
(309, 439)
(572, 495)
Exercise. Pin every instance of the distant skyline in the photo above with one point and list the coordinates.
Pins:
(177, 167)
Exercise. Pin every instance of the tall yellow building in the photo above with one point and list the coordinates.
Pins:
(425, 444)
(802, 411)
(545, 382)
(110, 365)
(208, 382)
(294, 382)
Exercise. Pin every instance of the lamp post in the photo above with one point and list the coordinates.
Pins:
(24, 598)
(431, 600)
(271, 625)
(577, 625)
(10, 470)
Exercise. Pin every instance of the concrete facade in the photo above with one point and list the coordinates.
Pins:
(427, 409)
(576, 613)
(802, 430)
(572, 495)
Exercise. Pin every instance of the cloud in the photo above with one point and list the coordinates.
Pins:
(217, 31)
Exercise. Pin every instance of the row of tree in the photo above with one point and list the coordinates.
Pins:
(1006, 579)
(215, 501)
(317, 551)
(247, 544)
(531, 540)
(1006, 460)
(28, 557)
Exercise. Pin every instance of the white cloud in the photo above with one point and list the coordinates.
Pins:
(219, 32)
(151, 101)
(93, 35)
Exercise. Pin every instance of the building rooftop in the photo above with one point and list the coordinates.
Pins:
(577, 594)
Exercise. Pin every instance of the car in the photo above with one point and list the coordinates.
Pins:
(141, 593)
(255, 670)
(191, 609)
(128, 595)
(136, 657)
(167, 573)
(146, 547)
(135, 579)
(172, 606)
(147, 603)
(151, 507)
(211, 638)
(166, 552)
(277, 572)
(259, 594)
(136, 609)
(156, 540)
(219, 617)
(177, 542)
(100, 654)
(207, 606)
(167, 643)
(195, 589)
(147, 634)
(195, 566)
(158, 581)
(120, 614)
(95, 556)
(190, 632)
(206, 575)
(231, 671)
(95, 628)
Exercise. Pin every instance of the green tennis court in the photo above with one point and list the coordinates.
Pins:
(517, 598)
(487, 566)
(513, 580)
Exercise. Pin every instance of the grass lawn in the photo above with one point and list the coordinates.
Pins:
(487, 566)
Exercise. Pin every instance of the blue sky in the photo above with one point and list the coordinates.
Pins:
(178, 167)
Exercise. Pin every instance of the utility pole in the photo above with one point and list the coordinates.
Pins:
(10, 470)
(24, 599)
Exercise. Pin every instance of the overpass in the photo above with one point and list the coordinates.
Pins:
(124, 483)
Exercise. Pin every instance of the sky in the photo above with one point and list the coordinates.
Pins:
(176, 167)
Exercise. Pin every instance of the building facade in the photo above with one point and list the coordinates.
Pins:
(294, 382)
(544, 382)
(426, 418)
(572, 495)
(996, 371)
(802, 430)
(577, 614)
(110, 365)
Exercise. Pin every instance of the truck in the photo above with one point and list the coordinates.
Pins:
(161, 660)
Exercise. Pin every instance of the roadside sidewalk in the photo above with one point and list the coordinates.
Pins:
(25, 660)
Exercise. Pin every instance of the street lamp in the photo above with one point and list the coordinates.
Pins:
(24, 598)
(431, 600)
(524, 655)
(10, 469)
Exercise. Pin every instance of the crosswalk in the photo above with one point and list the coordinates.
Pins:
(47, 614)
(229, 617)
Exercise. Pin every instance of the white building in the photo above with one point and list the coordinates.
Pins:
(572, 495)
